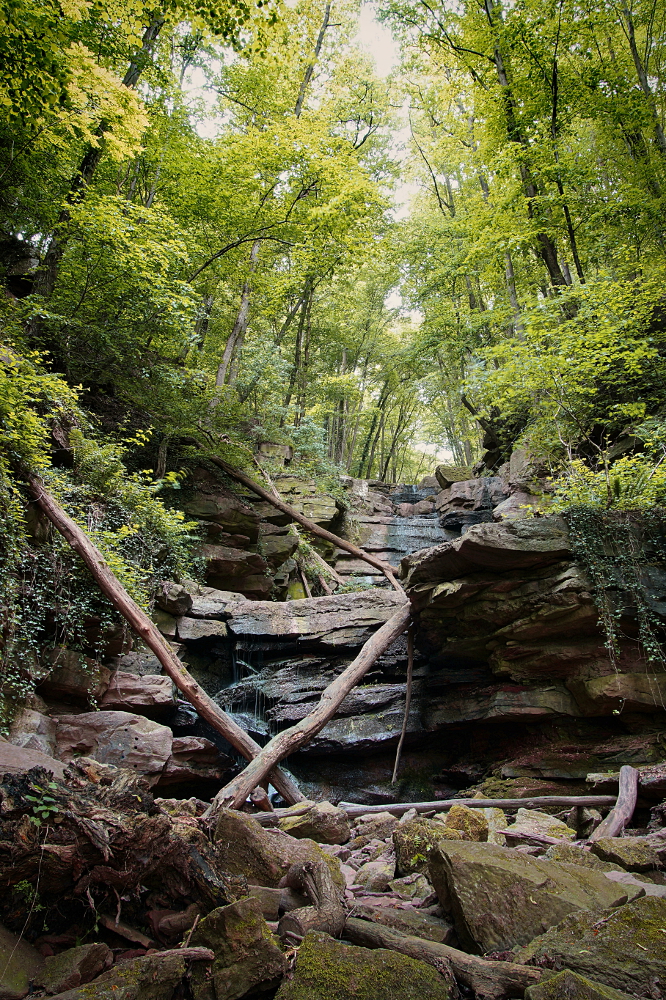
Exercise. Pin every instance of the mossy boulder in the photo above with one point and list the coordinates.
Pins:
(264, 856)
(323, 823)
(19, 964)
(499, 898)
(376, 825)
(329, 970)
(74, 967)
(572, 855)
(375, 876)
(470, 822)
(152, 977)
(533, 821)
(634, 854)
(624, 948)
(413, 840)
(246, 956)
(414, 886)
(569, 985)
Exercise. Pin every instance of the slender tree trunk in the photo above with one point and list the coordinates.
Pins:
(641, 72)
(310, 68)
(47, 275)
(146, 629)
(237, 335)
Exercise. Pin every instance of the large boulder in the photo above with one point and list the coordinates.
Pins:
(73, 676)
(229, 568)
(152, 695)
(18, 760)
(232, 515)
(152, 977)
(624, 948)
(532, 821)
(634, 854)
(499, 898)
(264, 856)
(20, 964)
(117, 738)
(34, 731)
(447, 475)
(246, 956)
(329, 970)
(569, 985)
(323, 823)
(74, 967)
(414, 838)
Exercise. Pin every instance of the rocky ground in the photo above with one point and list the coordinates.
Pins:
(115, 885)
(110, 892)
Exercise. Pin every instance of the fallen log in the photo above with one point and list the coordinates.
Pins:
(408, 702)
(488, 979)
(354, 809)
(289, 740)
(620, 815)
(311, 526)
(148, 631)
(326, 912)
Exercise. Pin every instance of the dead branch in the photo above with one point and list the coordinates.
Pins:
(147, 630)
(491, 980)
(311, 526)
(287, 742)
(620, 815)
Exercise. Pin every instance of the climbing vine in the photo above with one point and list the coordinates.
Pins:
(616, 547)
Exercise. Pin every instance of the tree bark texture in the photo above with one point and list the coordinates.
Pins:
(290, 740)
(326, 912)
(489, 980)
(146, 629)
(313, 528)
(618, 817)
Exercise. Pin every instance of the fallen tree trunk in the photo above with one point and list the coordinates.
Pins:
(353, 809)
(147, 630)
(488, 979)
(235, 793)
(326, 912)
(627, 796)
(311, 526)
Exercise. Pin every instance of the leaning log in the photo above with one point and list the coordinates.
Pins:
(289, 740)
(148, 631)
(488, 979)
(311, 526)
(618, 817)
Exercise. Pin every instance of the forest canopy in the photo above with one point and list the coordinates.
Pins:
(199, 235)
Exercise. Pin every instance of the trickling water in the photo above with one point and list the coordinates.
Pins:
(409, 534)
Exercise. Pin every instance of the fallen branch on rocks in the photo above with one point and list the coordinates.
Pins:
(147, 630)
(311, 526)
(327, 912)
(354, 809)
(408, 702)
(235, 793)
(618, 817)
(491, 980)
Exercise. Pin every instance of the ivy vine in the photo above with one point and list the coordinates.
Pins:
(616, 548)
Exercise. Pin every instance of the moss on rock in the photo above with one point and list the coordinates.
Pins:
(569, 985)
(470, 822)
(329, 970)
(414, 839)
(244, 847)
(624, 948)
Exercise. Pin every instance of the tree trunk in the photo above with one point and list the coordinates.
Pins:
(618, 817)
(487, 979)
(327, 912)
(310, 69)
(47, 274)
(290, 740)
(144, 627)
(313, 528)
(237, 335)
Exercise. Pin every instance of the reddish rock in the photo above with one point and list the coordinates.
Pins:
(151, 695)
(117, 738)
(18, 760)
(73, 676)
